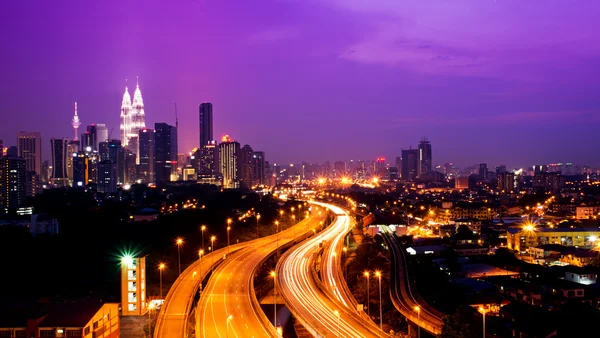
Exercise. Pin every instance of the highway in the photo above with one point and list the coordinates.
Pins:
(228, 306)
(173, 315)
(404, 295)
(322, 313)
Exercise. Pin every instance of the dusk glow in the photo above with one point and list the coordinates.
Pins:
(506, 82)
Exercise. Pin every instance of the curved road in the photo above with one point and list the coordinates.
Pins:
(321, 315)
(173, 315)
(230, 290)
(404, 298)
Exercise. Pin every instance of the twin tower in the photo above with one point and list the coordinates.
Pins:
(132, 119)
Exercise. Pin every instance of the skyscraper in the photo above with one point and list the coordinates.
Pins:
(107, 177)
(112, 151)
(146, 156)
(206, 124)
(12, 182)
(229, 162)
(209, 161)
(72, 148)
(425, 157)
(29, 146)
(89, 139)
(59, 149)
(132, 119)
(246, 166)
(258, 175)
(165, 152)
(410, 164)
(80, 169)
(101, 134)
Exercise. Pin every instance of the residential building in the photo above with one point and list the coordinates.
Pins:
(229, 162)
(12, 182)
(258, 174)
(246, 166)
(146, 156)
(520, 239)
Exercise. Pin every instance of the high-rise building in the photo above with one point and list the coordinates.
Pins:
(500, 169)
(59, 148)
(507, 182)
(89, 139)
(75, 123)
(29, 146)
(80, 169)
(259, 170)
(425, 156)
(129, 167)
(101, 134)
(410, 164)
(146, 155)
(12, 182)
(246, 166)
(2, 149)
(132, 119)
(340, 168)
(165, 152)
(72, 149)
(229, 162)
(483, 172)
(209, 159)
(206, 124)
(107, 177)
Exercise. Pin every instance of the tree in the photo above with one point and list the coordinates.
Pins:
(461, 324)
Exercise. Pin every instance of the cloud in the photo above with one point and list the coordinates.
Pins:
(272, 35)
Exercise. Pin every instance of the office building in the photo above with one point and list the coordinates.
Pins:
(548, 182)
(410, 164)
(259, 170)
(129, 167)
(107, 177)
(229, 164)
(146, 155)
(111, 150)
(12, 182)
(89, 139)
(59, 148)
(72, 148)
(165, 153)
(246, 166)
(80, 169)
(29, 147)
(425, 157)
(206, 124)
(209, 159)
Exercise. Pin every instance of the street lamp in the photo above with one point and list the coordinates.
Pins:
(179, 242)
(161, 267)
(418, 309)
(230, 317)
(378, 275)
(257, 219)
(212, 246)
(367, 274)
(150, 308)
(273, 274)
(202, 228)
(344, 251)
(482, 310)
(228, 229)
(200, 253)
(194, 276)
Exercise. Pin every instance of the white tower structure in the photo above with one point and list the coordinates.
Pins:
(75, 123)
(125, 118)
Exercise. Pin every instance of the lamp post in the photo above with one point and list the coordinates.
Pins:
(257, 219)
(228, 228)
(273, 274)
(212, 245)
(161, 267)
(483, 312)
(344, 251)
(293, 222)
(200, 253)
(337, 314)
(150, 308)
(418, 309)
(202, 228)
(179, 242)
(378, 275)
(277, 238)
(230, 317)
(367, 274)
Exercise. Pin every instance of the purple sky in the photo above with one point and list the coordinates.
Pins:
(507, 81)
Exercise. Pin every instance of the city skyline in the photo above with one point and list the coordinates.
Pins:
(493, 91)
